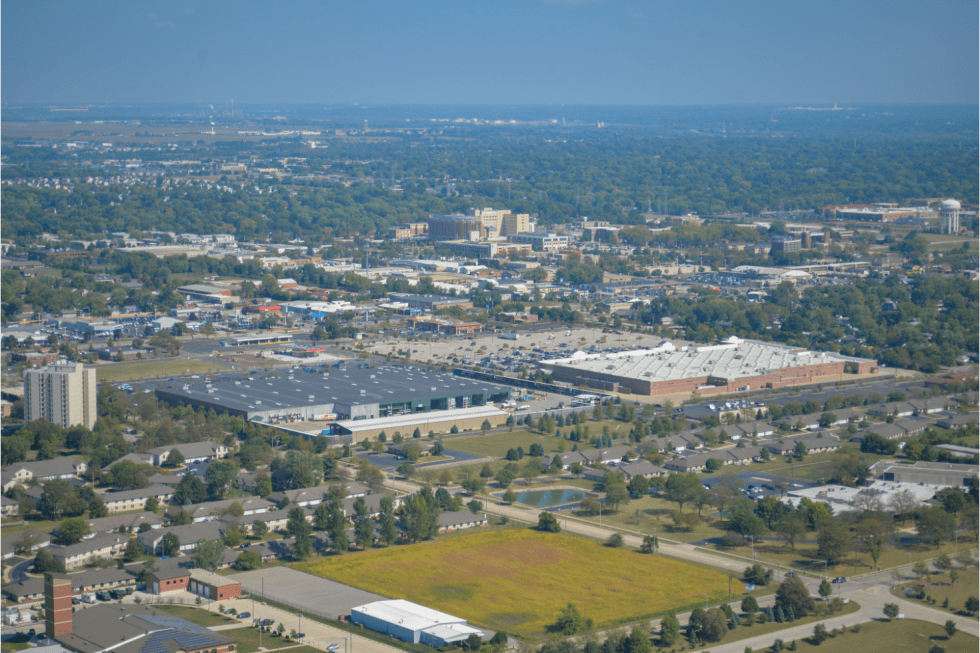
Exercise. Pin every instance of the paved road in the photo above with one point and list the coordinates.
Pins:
(19, 571)
(870, 592)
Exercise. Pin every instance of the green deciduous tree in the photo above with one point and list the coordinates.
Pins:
(548, 523)
(670, 630)
(208, 554)
(569, 622)
(170, 545)
(793, 595)
(71, 531)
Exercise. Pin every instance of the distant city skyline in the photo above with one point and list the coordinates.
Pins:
(504, 52)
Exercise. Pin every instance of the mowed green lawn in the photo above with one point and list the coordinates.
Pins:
(897, 636)
(153, 369)
(940, 588)
(495, 445)
(519, 580)
(199, 616)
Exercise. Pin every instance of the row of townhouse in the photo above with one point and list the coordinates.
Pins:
(43, 470)
(193, 452)
(900, 428)
(218, 510)
(100, 547)
(698, 462)
(912, 407)
(629, 470)
(819, 442)
(187, 535)
(127, 500)
(93, 580)
(602, 456)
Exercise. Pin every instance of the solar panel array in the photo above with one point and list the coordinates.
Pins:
(157, 642)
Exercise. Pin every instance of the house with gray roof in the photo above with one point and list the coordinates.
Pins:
(193, 452)
(460, 519)
(814, 443)
(957, 421)
(187, 535)
(100, 547)
(9, 507)
(126, 500)
(213, 510)
(135, 458)
(47, 470)
(130, 522)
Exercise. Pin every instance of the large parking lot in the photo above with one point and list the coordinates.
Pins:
(497, 353)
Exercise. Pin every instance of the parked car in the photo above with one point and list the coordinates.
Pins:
(244, 615)
(839, 579)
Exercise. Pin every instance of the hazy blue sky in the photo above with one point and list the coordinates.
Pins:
(497, 52)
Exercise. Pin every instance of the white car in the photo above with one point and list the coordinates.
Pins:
(333, 647)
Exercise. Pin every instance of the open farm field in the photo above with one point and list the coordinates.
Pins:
(489, 579)
(153, 369)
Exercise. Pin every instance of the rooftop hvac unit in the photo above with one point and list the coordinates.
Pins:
(312, 396)
(258, 402)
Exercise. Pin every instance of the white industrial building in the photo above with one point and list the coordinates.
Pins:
(411, 622)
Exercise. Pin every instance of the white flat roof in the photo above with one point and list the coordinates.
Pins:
(407, 614)
(419, 419)
(732, 360)
(450, 633)
(841, 497)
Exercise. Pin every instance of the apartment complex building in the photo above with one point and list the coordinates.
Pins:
(62, 393)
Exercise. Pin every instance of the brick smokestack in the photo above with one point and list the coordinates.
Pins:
(57, 605)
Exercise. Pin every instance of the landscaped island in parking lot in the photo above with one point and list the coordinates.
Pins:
(519, 580)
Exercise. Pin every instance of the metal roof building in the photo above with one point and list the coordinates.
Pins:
(350, 391)
(734, 365)
(411, 622)
(438, 421)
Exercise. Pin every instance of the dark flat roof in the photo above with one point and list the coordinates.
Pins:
(276, 390)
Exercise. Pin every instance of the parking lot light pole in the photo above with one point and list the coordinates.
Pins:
(300, 630)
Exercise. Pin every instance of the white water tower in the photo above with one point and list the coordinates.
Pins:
(949, 212)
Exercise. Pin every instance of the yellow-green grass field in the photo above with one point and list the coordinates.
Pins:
(519, 580)
(153, 369)
(899, 636)
(940, 587)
